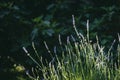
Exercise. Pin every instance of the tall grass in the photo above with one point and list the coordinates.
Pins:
(80, 60)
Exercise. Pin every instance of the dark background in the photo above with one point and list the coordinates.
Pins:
(24, 21)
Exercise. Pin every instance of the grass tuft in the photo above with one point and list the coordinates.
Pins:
(81, 60)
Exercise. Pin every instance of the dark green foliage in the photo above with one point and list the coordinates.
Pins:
(24, 21)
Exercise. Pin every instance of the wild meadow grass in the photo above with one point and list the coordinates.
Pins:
(81, 60)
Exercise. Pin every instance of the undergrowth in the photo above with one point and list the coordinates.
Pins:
(81, 60)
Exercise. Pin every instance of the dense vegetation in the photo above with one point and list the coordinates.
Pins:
(80, 60)
(26, 21)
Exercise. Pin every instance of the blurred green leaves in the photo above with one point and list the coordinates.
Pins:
(24, 21)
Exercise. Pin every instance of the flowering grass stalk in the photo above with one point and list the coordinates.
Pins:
(81, 60)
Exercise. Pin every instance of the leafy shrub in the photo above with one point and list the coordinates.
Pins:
(45, 19)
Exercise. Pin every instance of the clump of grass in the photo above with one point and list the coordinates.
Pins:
(80, 60)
